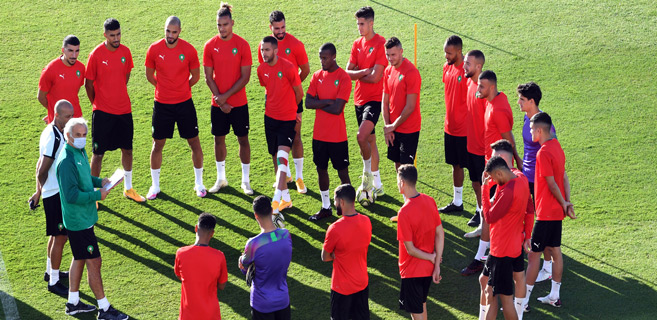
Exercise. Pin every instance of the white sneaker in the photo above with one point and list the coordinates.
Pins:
(547, 300)
(543, 275)
(218, 185)
(200, 191)
(152, 193)
(473, 234)
(246, 187)
(368, 181)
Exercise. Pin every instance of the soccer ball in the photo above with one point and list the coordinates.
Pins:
(365, 197)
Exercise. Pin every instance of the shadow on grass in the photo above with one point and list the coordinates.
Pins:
(446, 29)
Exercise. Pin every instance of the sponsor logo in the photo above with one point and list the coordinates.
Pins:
(320, 80)
(62, 76)
(288, 138)
(90, 248)
(234, 51)
(162, 57)
(181, 57)
(280, 74)
(216, 49)
(358, 49)
(537, 244)
(79, 163)
(105, 62)
(267, 75)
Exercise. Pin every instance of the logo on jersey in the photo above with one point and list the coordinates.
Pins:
(458, 79)
(401, 76)
(371, 49)
(90, 248)
(123, 60)
(162, 56)
(216, 49)
(336, 82)
(320, 80)
(234, 51)
(181, 57)
(280, 74)
(105, 62)
(267, 75)
(77, 73)
(60, 226)
(287, 51)
(62, 76)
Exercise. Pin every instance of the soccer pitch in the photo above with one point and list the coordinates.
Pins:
(594, 60)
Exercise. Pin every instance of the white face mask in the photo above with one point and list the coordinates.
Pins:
(80, 142)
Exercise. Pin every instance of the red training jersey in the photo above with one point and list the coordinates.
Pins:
(109, 71)
(550, 162)
(200, 269)
(227, 59)
(498, 119)
(348, 239)
(279, 80)
(456, 108)
(366, 54)
(290, 49)
(507, 216)
(398, 83)
(60, 81)
(476, 110)
(417, 221)
(172, 68)
(331, 86)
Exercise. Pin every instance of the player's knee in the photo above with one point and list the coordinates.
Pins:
(281, 159)
(362, 137)
(243, 141)
(482, 281)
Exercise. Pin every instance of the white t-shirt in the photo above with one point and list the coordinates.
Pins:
(51, 144)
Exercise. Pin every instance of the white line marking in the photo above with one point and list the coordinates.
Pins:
(6, 297)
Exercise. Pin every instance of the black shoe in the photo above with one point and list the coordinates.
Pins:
(473, 268)
(58, 289)
(321, 214)
(81, 307)
(111, 314)
(475, 220)
(62, 275)
(451, 208)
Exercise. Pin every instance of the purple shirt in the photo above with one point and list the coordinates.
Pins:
(531, 148)
(271, 252)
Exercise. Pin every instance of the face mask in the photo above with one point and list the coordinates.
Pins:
(80, 142)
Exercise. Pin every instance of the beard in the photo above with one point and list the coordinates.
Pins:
(338, 210)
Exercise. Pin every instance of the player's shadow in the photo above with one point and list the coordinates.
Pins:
(152, 230)
(447, 29)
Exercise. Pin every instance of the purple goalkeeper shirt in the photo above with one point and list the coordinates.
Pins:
(531, 149)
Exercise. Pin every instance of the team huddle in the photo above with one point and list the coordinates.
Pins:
(518, 210)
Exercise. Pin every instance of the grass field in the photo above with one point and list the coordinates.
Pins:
(594, 61)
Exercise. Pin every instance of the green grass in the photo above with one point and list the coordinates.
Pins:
(594, 61)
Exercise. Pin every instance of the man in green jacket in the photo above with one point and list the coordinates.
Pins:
(78, 198)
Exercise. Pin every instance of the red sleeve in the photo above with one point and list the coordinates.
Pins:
(434, 208)
(529, 218)
(404, 230)
(223, 276)
(300, 54)
(444, 68)
(129, 63)
(386, 88)
(344, 91)
(176, 266)
(503, 202)
(545, 168)
(260, 60)
(312, 88)
(207, 55)
(381, 57)
(414, 83)
(150, 58)
(90, 73)
(193, 63)
(260, 76)
(293, 76)
(503, 120)
(330, 240)
(82, 75)
(353, 57)
(45, 80)
(246, 60)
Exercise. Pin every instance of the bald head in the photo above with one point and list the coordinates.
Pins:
(62, 105)
(172, 21)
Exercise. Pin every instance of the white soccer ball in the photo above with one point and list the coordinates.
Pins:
(365, 197)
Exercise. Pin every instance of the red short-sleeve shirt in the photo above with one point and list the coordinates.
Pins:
(172, 68)
(456, 108)
(498, 119)
(366, 54)
(331, 86)
(476, 110)
(279, 80)
(62, 82)
(417, 222)
(398, 83)
(550, 162)
(291, 49)
(227, 58)
(109, 70)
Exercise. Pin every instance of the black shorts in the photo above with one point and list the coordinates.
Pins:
(404, 147)
(165, 117)
(54, 223)
(83, 244)
(238, 118)
(546, 234)
(369, 111)
(413, 294)
(283, 314)
(476, 165)
(456, 150)
(338, 152)
(353, 306)
(111, 131)
(300, 106)
(500, 273)
(279, 133)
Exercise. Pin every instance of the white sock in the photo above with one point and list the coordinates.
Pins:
(48, 265)
(377, 179)
(326, 200)
(155, 177)
(481, 250)
(246, 169)
(529, 293)
(221, 170)
(367, 165)
(73, 297)
(478, 208)
(482, 312)
(285, 194)
(547, 265)
(54, 276)
(298, 168)
(103, 304)
(519, 306)
(277, 195)
(127, 179)
(198, 176)
(554, 292)
(458, 196)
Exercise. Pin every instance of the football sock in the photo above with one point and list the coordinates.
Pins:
(73, 297)
(326, 200)
(54, 276)
(285, 194)
(103, 304)
(482, 312)
(48, 265)
(277, 195)
(377, 179)
(481, 250)
(246, 169)
(198, 176)
(298, 168)
(554, 292)
(127, 179)
(547, 265)
(458, 196)
(529, 292)
(519, 307)
(478, 209)
(367, 165)
(221, 170)
(155, 177)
